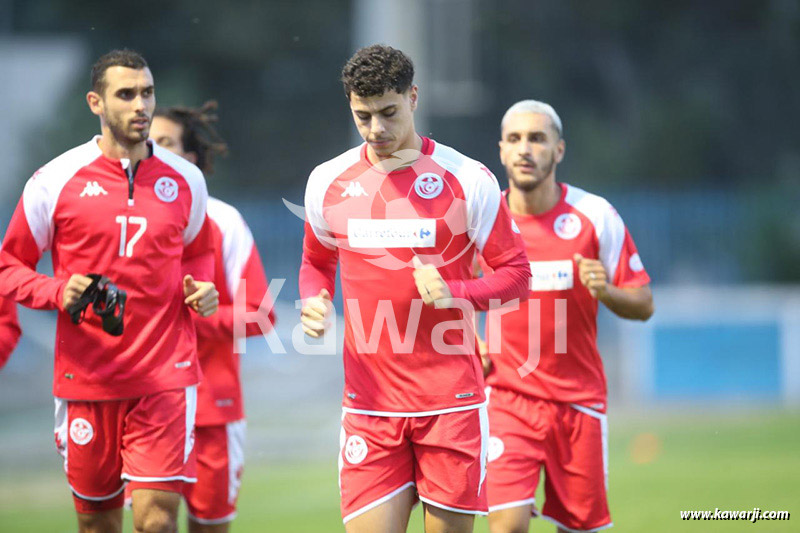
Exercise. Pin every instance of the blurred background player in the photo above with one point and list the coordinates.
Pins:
(552, 415)
(220, 424)
(136, 213)
(9, 328)
(414, 415)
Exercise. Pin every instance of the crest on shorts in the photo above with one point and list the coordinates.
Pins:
(81, 431)
(429, 185)
(496, 448)
(166, 189)
(355, 449)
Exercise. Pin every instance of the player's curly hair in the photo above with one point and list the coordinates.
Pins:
(376, 69)
(114, 58)
(199, 135)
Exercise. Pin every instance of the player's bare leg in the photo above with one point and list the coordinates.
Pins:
(155, 511)
(438, 520)
(104, 522)
(195, 527)
(389, 517)
(512, 520)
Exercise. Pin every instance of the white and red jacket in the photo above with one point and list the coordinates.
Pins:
(9, 328)
(442, 209)
(219, 396)
(142, 232)
(569, 367)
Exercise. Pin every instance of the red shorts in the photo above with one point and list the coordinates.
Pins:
(220, 461)
(443, 455)
(142, 441)
(568, 440)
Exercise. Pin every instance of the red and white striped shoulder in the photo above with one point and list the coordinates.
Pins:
(43, 189)
(481, 190)
(319, 181)
(197, 186)
(608, 225)
(237, 240)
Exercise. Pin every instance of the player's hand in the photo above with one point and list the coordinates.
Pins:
(74, 289)
(486, 361)
(315, 313)
(593, 275)
(431, 286)
(201, 296)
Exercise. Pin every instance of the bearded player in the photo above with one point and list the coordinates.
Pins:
(547, 402)
(120, 206)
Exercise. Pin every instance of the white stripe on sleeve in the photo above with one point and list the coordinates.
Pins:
(237, 241)
(608, 225)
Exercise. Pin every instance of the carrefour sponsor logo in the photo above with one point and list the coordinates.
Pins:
(391, 233)
(551, 275)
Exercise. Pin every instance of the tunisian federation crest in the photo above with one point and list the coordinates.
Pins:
(429, 185)
(166, 189)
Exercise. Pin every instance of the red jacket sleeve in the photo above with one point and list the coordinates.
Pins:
(220, 325)
(9, 329)
(318, 268)
(630, 270)
(19, 255)
(504, 252)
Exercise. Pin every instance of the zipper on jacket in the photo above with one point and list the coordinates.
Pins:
(130, 172)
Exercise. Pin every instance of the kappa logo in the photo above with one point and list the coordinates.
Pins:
(355, 449)
(429, 185)
(354, 190)
(567, 226)
(81, 431)
(93, 189)
(166, 189)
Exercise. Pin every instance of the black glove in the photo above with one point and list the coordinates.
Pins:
(107, 300)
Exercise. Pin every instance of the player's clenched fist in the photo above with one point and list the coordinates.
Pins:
(201, 296)
(74, 289)
(432, 288)
(592, 274)
(315, 314)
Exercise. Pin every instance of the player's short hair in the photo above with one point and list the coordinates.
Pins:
(199, 135)
(114, 58)
(534, 106)
(376, 69)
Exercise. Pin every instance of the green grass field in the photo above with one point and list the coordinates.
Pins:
(659, 465)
